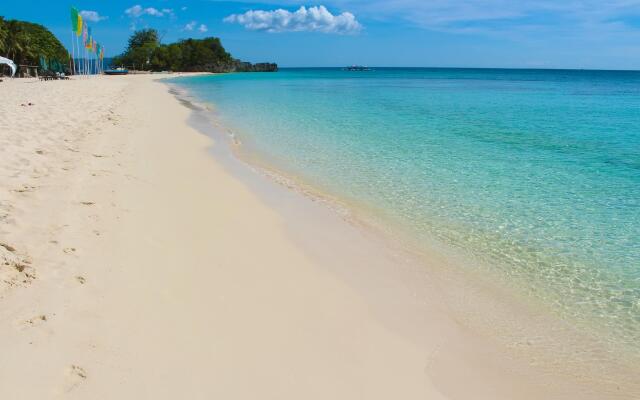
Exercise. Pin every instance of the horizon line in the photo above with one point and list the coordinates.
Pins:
(488, 68)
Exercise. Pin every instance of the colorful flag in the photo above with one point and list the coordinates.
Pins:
(89, 41)
(85, 34)
(74, 19)
(80, 25)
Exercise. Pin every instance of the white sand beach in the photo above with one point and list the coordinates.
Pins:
(134, 265)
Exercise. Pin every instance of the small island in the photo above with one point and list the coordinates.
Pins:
(145, 52)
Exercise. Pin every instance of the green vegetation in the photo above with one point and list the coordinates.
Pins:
(25, 43)
(145, 52)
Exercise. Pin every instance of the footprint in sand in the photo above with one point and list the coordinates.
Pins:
(25, 189)
(35, 321)
(75, 375)
(8, 247)
(81, 279)
(21, 265)
(87, 203)
(69, 250)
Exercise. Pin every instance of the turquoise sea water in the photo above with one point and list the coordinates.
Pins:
(535, 173)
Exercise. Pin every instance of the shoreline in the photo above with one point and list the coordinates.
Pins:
(161, 274)
(444, 266)
(383, 223)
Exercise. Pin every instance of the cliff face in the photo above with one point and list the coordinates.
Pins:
(233, 66)
(222, 67)
(241, 66)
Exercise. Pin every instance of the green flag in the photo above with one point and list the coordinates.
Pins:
(74, 19)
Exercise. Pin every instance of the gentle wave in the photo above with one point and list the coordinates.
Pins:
(531, 173)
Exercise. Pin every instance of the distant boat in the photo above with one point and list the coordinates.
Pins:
(116, 71)
(357, 68)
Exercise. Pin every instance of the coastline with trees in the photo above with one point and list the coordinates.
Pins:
(145, 52)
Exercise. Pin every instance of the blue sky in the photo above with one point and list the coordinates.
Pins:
(472, 33)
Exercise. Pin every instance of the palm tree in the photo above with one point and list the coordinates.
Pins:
(19, 44)
(4, 33)
(12, 45)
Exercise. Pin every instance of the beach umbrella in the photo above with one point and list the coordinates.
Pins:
(10, 64)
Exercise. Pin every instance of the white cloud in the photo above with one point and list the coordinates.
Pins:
(193, 24)
(138, 11)
(312, 19)
(92, 16)
(502, 17)
(184, 8)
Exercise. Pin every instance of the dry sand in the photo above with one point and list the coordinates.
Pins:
(134, 265)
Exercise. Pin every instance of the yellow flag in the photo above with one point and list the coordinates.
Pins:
(79, 31)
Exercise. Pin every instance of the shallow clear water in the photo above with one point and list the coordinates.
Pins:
(535, 173)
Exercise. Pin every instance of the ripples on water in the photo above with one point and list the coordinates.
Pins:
(533, 172)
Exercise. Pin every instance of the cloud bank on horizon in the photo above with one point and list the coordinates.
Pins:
(312, 19)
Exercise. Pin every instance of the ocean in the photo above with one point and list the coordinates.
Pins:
(533, 175)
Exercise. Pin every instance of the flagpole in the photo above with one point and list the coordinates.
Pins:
(73, 55)
(79, 64)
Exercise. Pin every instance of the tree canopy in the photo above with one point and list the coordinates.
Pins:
(145, 52)
(25, 42)
(141, 47)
